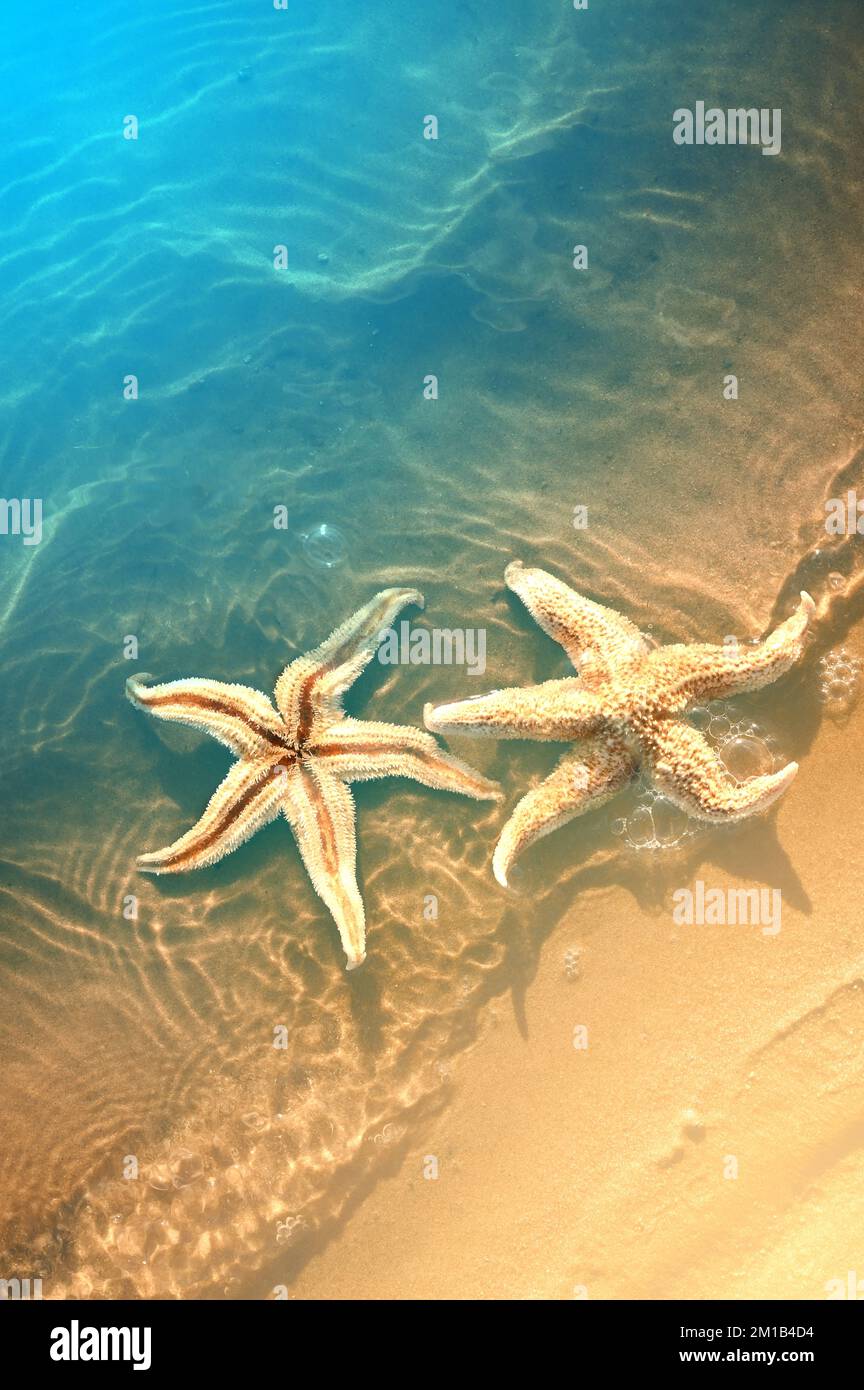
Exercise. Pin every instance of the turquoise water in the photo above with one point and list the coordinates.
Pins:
(302, 388)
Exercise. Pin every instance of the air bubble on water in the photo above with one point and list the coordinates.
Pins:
(746, 755)
(839, 677)
(324, 546)
(390, 1134)
(572, 963)
(656, 824)
(746, 749)
(185, 1168)
(670, 823)
(287, 1229)
(640, 828)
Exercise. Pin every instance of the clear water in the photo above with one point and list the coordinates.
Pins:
(261, 388)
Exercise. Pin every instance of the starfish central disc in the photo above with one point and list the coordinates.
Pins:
(299, 758)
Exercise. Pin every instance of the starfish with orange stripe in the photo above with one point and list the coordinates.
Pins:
(299, 758)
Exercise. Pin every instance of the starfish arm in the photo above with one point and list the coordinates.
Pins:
(556, 710)
(583, 779)
(241, 718)
(690, 773)
(704, 672)
(248, 797)
(357, 751)
(313, 685)
(597, 640)
(320, 811)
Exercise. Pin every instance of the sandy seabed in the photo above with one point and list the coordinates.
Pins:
(708, 1140)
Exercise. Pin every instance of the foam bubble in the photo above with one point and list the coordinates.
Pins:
(572, 963)
(656, 823)
(746, 750)
(746, 755)
(839, 677)
(325, 546)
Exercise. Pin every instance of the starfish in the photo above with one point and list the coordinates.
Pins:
(300, 759)
(626, 708)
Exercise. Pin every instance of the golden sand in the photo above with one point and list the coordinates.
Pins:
(605, 1173)
(607, 1168)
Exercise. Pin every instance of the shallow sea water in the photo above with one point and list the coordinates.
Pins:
(303, 389)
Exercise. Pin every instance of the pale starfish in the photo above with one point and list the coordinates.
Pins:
(626, 708)
(299, 760)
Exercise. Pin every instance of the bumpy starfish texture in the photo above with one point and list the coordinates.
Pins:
(626, 709)
(299, 760)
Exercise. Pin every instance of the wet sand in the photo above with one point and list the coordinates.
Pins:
(152, 1036)
(605, 1173)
